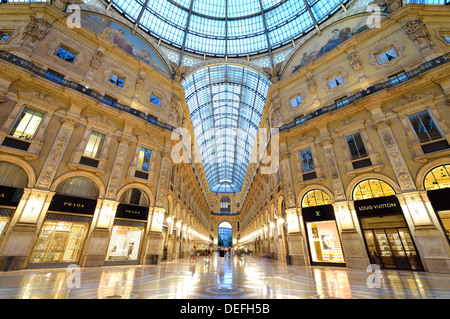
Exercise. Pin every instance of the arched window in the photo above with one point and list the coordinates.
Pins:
(438, 177)
(372, 188)
(12, 175)
(225, 205)
(79, 187)
(134, 196)
(315, 197)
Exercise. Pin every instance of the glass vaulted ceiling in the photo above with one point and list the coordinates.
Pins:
(225, 104)
(227, 27)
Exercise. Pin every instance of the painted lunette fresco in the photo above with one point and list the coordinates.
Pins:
(330, 39)
(122, 37)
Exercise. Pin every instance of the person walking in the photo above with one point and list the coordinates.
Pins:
(221, 256)
(193, 252)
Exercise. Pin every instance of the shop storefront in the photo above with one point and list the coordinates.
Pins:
(128, 231)
(322, 234)
(385, 231)
(437, 184)
(63, 233)
(9, 199)
(127, 234)
(13, 180)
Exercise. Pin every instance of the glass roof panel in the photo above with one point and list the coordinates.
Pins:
(225, 104)
(226, 27)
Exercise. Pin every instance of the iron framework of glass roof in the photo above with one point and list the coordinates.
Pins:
(227, 27)
(225, 104)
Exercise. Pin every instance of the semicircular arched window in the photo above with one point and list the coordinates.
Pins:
(315, 197)
(79, 187)
(134, 196)
(437, 178)
(372, 188)
(12, 175)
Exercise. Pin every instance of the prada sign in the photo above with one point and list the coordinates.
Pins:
(70, 204)
(10, 196)
(381, 206)
(318, 213)
(132, 212)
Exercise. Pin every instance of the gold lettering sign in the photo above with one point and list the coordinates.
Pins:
(379, 206)
(129, 211)
(73, 204)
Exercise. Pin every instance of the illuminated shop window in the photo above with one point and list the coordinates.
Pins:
(94, 145)
(124, 243)
(66, 54)
(372, 188)
(143, 163)
(438, 178)
(315, 197)
(27, 125)
(59, 241)
(324, 242)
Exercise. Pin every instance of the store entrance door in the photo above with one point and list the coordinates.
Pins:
(392, 248)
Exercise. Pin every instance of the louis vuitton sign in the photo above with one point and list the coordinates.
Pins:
(10, 196)
(380, 206)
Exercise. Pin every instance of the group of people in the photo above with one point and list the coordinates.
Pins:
(223, 251)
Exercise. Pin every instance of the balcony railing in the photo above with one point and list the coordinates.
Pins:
(403, 77)
(46, 74)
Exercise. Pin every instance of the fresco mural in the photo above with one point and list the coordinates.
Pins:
(122, 37)
(330, 38)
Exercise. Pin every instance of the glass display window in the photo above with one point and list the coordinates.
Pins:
(325, 245)
(438, 178)
(4, 221)
(125, 243)
(315, 197)
(372, 188)
(59, 241)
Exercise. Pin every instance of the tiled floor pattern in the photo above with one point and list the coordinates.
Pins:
(237, 277)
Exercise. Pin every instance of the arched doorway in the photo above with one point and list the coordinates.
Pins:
(321, 229)
(437, 185)
(13, 180)
(63, 233)
(225, 235)
(128, 230)
(388, 239)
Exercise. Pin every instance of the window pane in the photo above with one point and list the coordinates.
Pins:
(94, 145)
(307, 161)
(117, 80)
(144, 159)
(27, 124)
(335, 81)
(155, 100)
(386, 56)
(296, 101)
(356, 146)
(66, 54)
(424, 126)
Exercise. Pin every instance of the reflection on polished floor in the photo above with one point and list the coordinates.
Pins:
(237, 277)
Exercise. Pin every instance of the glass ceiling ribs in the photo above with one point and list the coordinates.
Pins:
(225, 104)
(232, 28)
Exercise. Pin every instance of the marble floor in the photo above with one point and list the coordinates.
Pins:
(245, 277)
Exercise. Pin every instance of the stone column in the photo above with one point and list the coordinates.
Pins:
(430, 241)
(352, 243)
(294, 239)
(20, 237)
(154, 239)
